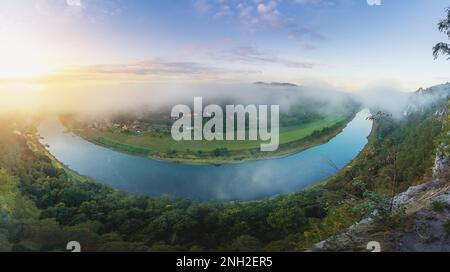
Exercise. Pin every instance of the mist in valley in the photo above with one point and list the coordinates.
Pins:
(103, 100)
(142, 99)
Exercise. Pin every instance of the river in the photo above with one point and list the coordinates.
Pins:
(243, 181)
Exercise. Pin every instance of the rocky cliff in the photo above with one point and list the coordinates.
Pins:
(424, 225)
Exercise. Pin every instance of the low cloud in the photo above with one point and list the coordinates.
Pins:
(250, 54)
(148, 70)
(315, 2)
(74, 3)
(374, 2)
(302, 33)
(263, 15)
(399, 103)
(152, 67)
(253, 15)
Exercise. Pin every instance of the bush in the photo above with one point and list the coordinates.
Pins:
(439, 206)
(447, 226)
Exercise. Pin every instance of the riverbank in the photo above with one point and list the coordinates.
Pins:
(82, 204)
(39, 148)
(308, 196)
(287, 222)
(237, 181)
(162, 147)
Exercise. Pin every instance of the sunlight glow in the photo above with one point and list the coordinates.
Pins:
(22, 59)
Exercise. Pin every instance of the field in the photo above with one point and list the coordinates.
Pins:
(44, 204)
(161, 145)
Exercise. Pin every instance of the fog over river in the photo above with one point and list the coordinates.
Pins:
(242, 181)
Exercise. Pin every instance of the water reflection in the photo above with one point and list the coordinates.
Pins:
(249, 180)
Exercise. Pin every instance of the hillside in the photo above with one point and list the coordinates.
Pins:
(421, 218)
(43, 204)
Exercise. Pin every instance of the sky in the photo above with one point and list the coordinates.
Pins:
(348, 44)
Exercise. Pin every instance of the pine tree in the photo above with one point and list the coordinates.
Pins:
(443, 48)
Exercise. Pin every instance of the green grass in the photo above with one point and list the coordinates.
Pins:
(162, 146)
(148, 142)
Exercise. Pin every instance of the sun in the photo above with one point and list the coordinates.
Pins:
(17, 70)
(17, 66)
(22, 60)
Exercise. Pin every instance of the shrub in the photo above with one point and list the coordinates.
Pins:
(439, 206)
(447, 226)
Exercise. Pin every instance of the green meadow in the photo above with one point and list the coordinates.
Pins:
(161, 145)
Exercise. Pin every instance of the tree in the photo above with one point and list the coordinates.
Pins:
(392, 159)
(443, 48)
(245, 243)
(391, 146)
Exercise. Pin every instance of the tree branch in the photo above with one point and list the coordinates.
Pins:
(441, 49)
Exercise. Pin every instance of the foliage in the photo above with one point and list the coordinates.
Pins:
(439, 206)
(447, 227)
(443, 48)
(43, 205)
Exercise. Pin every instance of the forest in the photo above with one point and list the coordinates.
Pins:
(43, 205)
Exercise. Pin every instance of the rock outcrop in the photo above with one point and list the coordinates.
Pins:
(426, 226)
